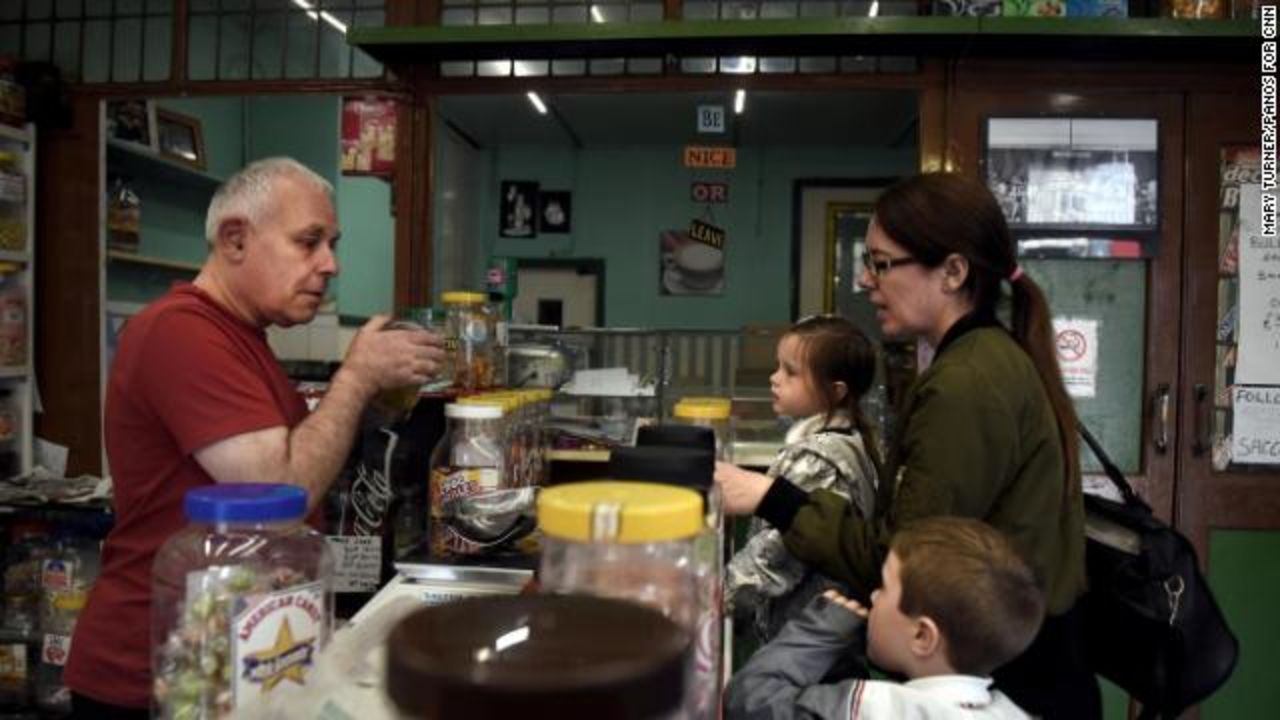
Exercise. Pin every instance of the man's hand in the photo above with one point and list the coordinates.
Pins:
(849, 604)
(381, 358)
(742, 490)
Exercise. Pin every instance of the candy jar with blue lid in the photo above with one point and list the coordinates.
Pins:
(241, 601)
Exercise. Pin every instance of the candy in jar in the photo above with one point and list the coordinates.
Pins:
(241, 602)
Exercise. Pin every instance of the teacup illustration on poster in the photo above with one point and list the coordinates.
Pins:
(687, 266)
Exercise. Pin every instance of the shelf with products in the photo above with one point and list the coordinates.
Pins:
(17, 297)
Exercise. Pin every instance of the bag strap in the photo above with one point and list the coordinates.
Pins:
(1113, 473)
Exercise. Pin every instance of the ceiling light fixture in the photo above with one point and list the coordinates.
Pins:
(739, 101)
(537, 102)
(874, 10)
(596, 14)
(322, 15)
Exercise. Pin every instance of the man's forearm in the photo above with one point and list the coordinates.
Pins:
(318, 446)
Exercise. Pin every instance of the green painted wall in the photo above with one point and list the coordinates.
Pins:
(1245, 577)
(366, 283)
(624, 196)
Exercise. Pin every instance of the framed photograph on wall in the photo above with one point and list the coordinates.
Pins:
(516, 207)
(555, 211)
(180, 138)
(132, 121)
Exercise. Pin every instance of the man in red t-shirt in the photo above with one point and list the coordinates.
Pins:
(196, 397)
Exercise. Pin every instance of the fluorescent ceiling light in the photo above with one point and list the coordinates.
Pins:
(322, 15)
(874, 10)
(537, 101)
(739, 101)
(596, 14)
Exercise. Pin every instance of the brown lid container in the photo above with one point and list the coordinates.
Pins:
(537, 656)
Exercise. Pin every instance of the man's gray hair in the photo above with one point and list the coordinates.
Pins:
(248, 192)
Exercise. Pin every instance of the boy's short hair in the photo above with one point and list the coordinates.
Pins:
(966, 577)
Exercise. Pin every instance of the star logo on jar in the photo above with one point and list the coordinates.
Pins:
(286, 659)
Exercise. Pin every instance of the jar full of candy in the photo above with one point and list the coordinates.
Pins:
(241, 601)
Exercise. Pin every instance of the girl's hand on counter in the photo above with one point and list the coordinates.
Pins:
(742, 490)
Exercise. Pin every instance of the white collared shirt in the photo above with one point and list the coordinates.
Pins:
(940, 696)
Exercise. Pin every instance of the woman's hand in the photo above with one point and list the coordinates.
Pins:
(742, 490)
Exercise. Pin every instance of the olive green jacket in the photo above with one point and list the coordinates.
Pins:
(977, 438)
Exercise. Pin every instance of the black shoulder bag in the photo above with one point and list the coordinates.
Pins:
(1152, 625)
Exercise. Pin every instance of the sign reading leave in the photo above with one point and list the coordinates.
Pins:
(706, 233)
(707, 156)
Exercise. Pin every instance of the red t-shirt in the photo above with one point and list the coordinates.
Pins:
(187, 373)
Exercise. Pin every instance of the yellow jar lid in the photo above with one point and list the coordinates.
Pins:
(463, 297)
(620, 512)
(702, 411)
(494, 399)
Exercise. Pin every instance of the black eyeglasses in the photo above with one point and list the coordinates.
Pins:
(879, 266)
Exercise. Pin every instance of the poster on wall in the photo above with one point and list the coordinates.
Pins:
(368, 136)
(691, 262)
(1258, 322)
(554, 211)
(518, 201)
(1076, 341)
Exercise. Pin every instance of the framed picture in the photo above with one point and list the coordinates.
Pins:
(180, 137)
(517, 204)
(554, 211)
(133, 121)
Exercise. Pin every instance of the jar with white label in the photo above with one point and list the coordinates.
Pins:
(241, 600)
(475, 509)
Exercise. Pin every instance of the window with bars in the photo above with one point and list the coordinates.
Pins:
(532, 12)
(279, 39)
(92, 41)
(127, 41)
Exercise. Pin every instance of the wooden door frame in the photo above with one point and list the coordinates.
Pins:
(975, 96)
(1209, 499)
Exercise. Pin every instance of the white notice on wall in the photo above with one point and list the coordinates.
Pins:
(357, 562)
(1259, 321)
(1076, 340)
(1255, 427)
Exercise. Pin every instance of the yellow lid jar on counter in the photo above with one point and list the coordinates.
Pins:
(622, 539)
(713, 412)
(470, 339)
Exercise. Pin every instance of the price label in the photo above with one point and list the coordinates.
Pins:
(55, 649)
(357, 562)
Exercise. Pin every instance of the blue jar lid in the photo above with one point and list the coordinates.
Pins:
(246, 502)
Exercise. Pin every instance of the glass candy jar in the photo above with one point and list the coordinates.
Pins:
(241, 600)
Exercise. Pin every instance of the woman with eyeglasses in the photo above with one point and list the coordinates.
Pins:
(987, 431)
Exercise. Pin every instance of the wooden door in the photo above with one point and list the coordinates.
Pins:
(1229, 507)
(1134, 302)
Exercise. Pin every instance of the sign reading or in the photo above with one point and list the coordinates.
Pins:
(704, 156)
(709, 193)
(711, 119)
(706, 233)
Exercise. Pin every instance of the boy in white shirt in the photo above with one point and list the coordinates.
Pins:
(956, 602)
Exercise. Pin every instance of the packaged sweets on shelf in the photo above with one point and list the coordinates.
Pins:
(241, 600)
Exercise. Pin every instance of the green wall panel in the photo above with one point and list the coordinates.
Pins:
(1245, 577)
(623, 197)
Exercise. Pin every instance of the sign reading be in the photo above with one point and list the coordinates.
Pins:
(711, 118)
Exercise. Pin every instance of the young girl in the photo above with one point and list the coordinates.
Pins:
(825, 365)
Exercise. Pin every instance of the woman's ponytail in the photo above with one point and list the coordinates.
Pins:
(1032, 327)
